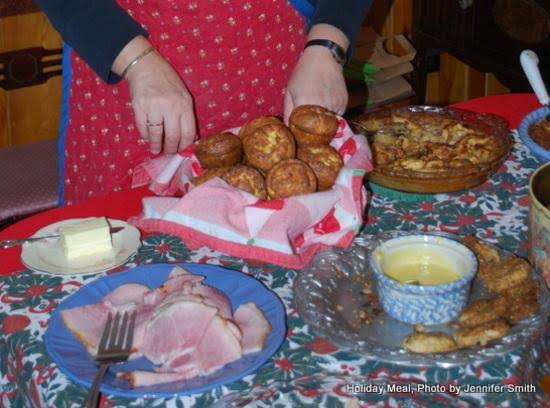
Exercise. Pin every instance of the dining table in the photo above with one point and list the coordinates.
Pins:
(308, 369)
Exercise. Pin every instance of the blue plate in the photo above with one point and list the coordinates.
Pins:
(74, 361)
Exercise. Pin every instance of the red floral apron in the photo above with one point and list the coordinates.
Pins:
(235, 57)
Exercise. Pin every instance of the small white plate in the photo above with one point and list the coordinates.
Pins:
(47, 255)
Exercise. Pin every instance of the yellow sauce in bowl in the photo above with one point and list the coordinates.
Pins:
(422, 266)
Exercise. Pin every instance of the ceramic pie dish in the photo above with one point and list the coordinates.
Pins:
(443, 138)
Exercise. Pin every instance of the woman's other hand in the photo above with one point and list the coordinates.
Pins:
(317, 78)
(162, 104)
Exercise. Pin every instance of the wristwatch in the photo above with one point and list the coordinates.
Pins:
(339, 54)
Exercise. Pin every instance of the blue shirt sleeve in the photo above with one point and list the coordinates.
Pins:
(96, 29)
(346, 15)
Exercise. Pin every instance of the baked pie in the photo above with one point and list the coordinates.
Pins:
(434, 143)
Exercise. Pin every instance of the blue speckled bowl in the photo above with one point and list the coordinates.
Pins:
(425, 304)
(542, 154)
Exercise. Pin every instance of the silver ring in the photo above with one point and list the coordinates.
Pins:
(154, 124)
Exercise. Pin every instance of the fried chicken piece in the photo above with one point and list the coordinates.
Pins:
(520, 301)
(507, 274)
(484, 252)
(529, 288)
(481, 334)
(513, 304)
(481, 311)
(521, 309)
(429, 342)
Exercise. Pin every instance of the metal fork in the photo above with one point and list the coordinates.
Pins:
(114, 347)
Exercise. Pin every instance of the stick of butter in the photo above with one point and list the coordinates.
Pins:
(86, 238)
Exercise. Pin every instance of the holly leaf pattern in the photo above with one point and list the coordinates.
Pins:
(294, 376)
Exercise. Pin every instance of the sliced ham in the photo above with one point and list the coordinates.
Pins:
(177, 283)
(178, 271)
(254, 327)
(174, 330)
(184, 327)
(219, 345)
(147, 378)
(129, 293)
(87, 323)
(215, 298)
(143, 316)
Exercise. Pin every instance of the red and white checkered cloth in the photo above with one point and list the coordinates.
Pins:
(287, 232)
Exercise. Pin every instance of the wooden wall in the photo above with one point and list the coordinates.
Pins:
(455, 81)
(32, 114)
(29, 114)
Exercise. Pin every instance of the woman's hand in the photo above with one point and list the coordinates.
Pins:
(162, 104)
(317, 78)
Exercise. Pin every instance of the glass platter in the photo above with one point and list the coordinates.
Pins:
(328, 295)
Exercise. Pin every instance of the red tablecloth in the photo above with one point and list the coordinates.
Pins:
(124, 204)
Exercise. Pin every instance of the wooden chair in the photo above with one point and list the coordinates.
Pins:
(28, 173)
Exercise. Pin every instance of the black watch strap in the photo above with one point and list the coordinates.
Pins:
(339, 54)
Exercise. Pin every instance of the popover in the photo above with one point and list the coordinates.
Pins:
(290, 177)
(219, 150)
(247, 179)
(257, 123)
(267, 145)
(209, 175)
(313, 125)
(324, 161)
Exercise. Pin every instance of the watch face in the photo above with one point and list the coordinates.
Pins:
(338, 53)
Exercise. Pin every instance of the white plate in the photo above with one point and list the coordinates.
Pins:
(47, 255)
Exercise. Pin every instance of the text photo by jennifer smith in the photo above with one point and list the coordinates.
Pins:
(403, 388)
